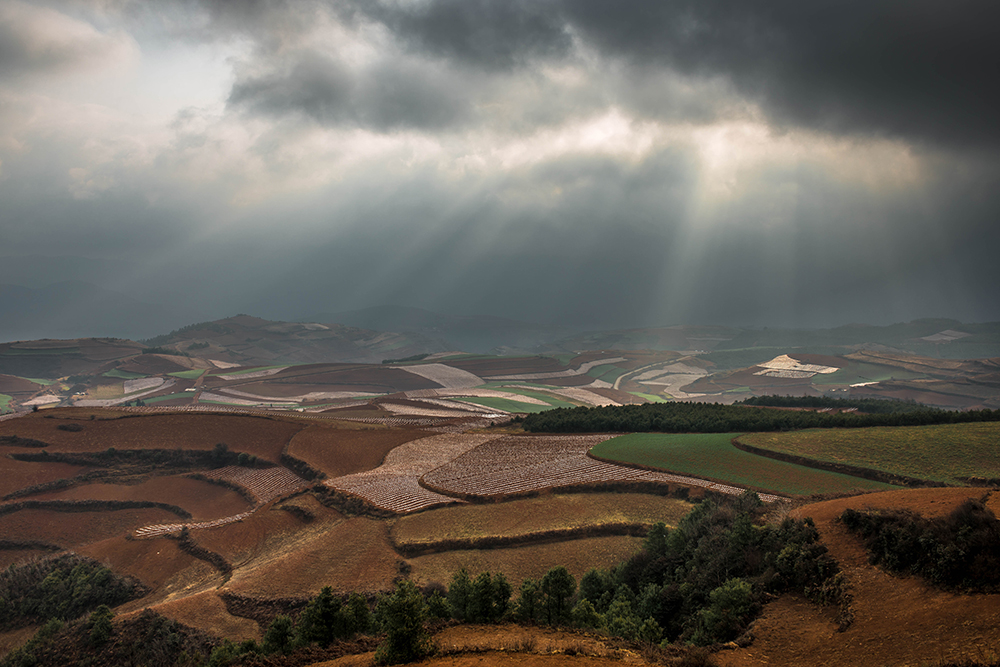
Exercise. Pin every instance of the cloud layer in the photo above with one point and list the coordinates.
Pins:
(601, 164)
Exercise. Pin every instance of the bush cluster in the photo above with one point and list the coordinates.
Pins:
(960, 550)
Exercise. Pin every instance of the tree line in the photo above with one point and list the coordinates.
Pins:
(717, 418)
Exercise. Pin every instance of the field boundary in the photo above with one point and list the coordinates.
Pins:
(90, 506)
(701, 482)
(414, 549)
(842, 468)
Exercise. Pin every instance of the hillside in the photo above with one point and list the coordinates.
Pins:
(247, 340)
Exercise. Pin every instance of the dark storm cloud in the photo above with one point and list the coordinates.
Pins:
(919, 69)
(382, 97)
(486, 33)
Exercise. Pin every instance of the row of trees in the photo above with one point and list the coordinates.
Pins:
(716, 418)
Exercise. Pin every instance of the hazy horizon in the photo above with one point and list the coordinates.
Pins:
(580, 164)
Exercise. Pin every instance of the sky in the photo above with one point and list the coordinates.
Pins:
(588, 163)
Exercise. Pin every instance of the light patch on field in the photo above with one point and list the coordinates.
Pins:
(42, 400)
(680, 369)
(142, 384)
(232, 400)
(574, 394)
(790, 375)
(452, 409)
(395, 486)
(474, 393)
(253, 374)
(446, 376)
(223, 364)
(311, 396)
(784, 362)
(582, 370)
(945, 336)
(672, 384)
(105, 403)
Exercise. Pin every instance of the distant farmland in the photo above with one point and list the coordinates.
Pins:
(949, 453)
(712, 456)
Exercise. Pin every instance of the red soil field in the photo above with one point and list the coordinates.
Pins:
(902, 393)
(10, 384)
(72, 530)
(155, 364)
(10, 556)
(262, 436)
(205, 501)
(16, 475)
(353, 555)
(206, 611)
(265, 532)
(898, 620)
(340, 452)
(571, 381)
(153, 562)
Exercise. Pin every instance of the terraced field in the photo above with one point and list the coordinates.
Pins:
(527, 516)
(395, 484)
(949, 453)
(712, 456)
(519, 465)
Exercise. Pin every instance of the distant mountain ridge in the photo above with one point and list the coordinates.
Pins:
(481, 333)
(244, 339)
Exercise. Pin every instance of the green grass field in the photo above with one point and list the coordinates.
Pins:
(554, 401)
(712, 456)
(5, 402)
(168, 397)
(652, 398)
(943, 453)
(606, 372)
(192, 374)
(40, 381)
(123, 375)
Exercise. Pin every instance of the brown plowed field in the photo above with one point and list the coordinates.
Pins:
(898, 620)
(353, 555)
(205, 501)
(72, 530)
(16, 475)
(329, 377)
(206, 611)
(153, 562)
(10, 556)
(10, 384)
(340, 452)
(533, 515)
(261, 436)
(262, 533)
(519, 563)
(154, 364)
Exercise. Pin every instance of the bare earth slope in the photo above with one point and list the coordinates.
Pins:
(898, 620)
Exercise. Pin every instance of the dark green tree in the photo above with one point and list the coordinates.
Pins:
(557, 587)
(402, 615)
(100, 625)
(278, 638)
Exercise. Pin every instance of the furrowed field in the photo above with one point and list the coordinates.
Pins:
(948, 453)
(712, 456)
